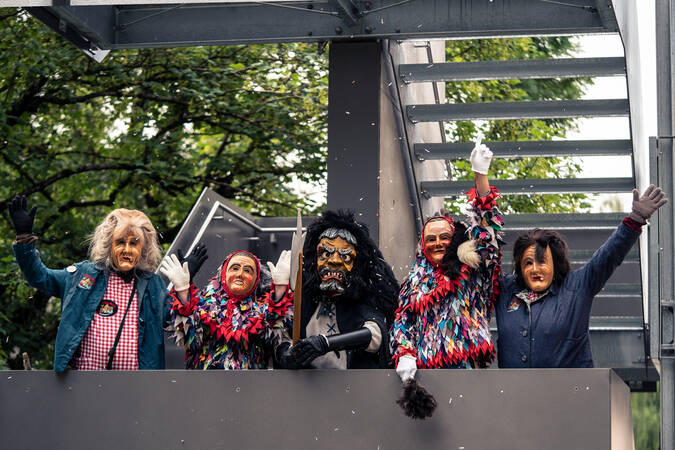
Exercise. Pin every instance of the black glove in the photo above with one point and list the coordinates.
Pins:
(309, 349)
(21, 218)
(195, 259)
(285, 357)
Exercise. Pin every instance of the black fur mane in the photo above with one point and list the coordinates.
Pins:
(451, 263)
(372, 280)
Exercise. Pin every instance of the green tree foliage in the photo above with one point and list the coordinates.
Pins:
(148, 130)
(646, 420)
(516, 130)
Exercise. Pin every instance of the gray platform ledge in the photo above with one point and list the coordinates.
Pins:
(481, 409)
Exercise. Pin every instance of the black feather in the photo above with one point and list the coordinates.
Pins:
(416, 401)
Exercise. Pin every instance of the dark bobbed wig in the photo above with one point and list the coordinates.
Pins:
(372, 280)
(542, 239)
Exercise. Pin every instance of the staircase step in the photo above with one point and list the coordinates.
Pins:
(563, 221)
(533, 186)
(621, 290)
(576, 256)
(615, 323)
(513, 69)
(522, 149)
(548, 109)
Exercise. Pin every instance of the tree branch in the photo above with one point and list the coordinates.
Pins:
(75, 171)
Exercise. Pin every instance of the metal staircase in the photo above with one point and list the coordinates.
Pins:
(617, 322)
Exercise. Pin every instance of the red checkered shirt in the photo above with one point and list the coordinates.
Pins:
(100, 336)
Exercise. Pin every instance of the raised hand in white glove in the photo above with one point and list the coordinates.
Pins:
(281, 272)
(480, 156)
(406, 367)
(178, 274)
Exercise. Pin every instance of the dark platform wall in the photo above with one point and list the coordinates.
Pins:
(355, 409)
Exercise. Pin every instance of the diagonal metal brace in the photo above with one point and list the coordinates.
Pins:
(345, 9)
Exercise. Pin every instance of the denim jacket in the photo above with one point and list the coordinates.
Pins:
(81, 288)
(553, 332)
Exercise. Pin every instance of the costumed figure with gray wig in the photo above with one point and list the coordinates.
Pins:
(445, 303)
(113, 307)
(349, 297)
(239, 319)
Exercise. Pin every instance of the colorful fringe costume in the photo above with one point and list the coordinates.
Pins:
(222, 331)
(443, 322)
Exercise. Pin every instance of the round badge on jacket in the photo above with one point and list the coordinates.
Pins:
(107, 308)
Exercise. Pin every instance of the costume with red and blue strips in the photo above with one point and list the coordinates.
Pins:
(220, 330)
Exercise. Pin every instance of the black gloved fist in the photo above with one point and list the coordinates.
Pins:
(195, 259)
(285, 358)
(309, 348)
(21, 218)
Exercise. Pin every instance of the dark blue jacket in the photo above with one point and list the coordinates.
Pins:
(80, 299)
(555, 332)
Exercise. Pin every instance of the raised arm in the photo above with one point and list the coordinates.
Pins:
(37, 275)
(281, 274)
(484, 218)
(480, 164)
(178, 274)
(611, 254)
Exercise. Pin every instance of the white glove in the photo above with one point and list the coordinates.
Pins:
(177, 274)
(281, 273)
(480, 156)
(406, 367)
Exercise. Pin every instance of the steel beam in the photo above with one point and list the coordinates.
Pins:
(523, 149)
(518, 110)
(514, 69)
(353, 160)
(533, 186)
(345, 10)
(181, 24)
(88, 43)
(665, 71)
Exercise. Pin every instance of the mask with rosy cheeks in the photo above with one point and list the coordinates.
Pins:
(126, 249)
(241, 275)
(538, 275)
(335, 261)
(436, 237)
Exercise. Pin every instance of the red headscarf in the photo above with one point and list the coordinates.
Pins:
(223, 272)
(452, 228)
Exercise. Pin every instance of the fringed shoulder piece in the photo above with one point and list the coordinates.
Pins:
(485, 228)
